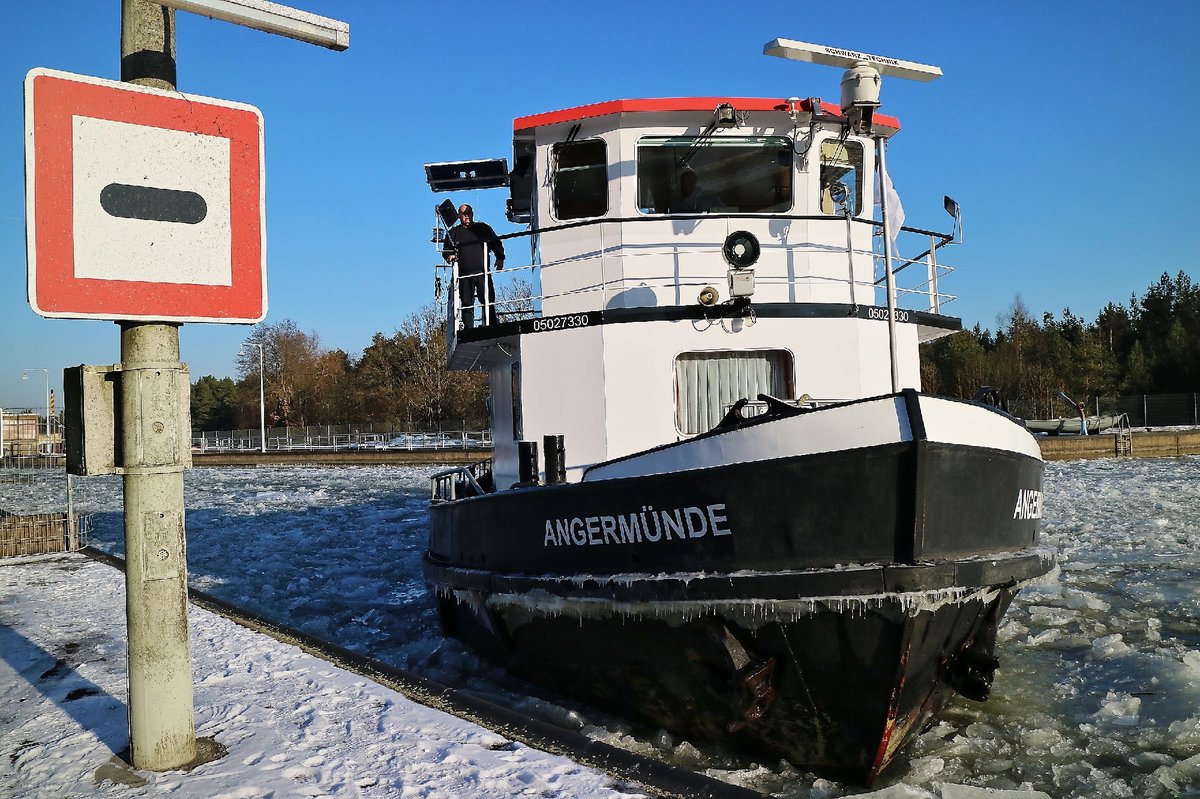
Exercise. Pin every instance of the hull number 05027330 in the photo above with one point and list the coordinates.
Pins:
(560, 322)
(882, 313)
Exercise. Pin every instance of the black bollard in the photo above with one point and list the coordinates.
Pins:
(527, 462)
(556, 469)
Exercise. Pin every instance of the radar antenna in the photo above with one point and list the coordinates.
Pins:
(860, 98)
(860, 83)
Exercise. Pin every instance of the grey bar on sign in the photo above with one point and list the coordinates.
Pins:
(155, 205)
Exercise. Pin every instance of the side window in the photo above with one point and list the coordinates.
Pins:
(707, 383)
(841, 177)
(580, 171)
(518, 422)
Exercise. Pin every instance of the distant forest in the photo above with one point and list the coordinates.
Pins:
(1149, 346)
(399, 381)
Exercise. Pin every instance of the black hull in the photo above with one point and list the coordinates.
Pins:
(834, 685)
(723, 603)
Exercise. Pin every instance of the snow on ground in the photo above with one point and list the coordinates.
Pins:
(1097, 695)
(294, 725)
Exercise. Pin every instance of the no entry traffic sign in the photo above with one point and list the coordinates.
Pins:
(142, 204)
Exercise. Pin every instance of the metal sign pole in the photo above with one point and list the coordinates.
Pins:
(162, 725)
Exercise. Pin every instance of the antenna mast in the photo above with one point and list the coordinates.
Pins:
(860, 98)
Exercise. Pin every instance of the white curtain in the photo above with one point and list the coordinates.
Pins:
(706, 383)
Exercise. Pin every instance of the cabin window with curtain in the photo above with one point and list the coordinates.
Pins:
(841, 177)
(580, 174)
(518, 420)
(707, 383)
(714, 174)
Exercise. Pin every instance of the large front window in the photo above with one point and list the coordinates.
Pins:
(708, 383)
(730, 174)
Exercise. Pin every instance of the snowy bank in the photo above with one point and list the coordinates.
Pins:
(294, 725)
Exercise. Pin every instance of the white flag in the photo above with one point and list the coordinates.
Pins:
(895, 211)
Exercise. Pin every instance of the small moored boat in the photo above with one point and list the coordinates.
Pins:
(1075, 425)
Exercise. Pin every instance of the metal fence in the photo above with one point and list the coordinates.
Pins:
(1160, 410)
(54, 460)
(43, 533)
(1143, 410)
(350, 437)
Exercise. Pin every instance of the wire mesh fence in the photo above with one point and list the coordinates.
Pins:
(42, 533)
(1160, 410)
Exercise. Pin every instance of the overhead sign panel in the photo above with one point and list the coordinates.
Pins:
(142, 204)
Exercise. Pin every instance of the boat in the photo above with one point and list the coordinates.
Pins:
(1070, 425)
(718, 502)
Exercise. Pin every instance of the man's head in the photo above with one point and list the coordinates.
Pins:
(466, 215)
(687, 181)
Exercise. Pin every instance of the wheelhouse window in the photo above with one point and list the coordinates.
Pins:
(708, 383)
(841, 177)
(518, 420)
(580, 172)
(730, 174)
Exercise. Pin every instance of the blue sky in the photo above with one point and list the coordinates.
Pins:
(1065, 131)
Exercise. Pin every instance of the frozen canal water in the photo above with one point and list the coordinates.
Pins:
(1097, 694)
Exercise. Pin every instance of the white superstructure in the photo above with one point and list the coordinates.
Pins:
(645, 313)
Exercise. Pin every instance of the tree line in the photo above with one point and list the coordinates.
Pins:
(1149, 346)
(400, 381)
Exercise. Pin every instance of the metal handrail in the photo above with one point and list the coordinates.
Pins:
(945, 238)
(929, 287)
(443, 485)
(303, 439)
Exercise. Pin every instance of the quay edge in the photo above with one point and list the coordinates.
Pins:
(1146, 444)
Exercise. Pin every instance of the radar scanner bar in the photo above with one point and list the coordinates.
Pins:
(848, 59)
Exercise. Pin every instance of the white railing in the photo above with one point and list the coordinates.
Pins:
(306, 440)
(917, 279)
(460, 481)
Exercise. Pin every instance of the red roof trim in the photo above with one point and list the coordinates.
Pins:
(675, 104)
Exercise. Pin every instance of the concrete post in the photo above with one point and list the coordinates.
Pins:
(162, 725)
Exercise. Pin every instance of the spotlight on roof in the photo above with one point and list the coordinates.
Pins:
(726, 116)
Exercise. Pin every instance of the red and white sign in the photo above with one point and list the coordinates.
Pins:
(142, 204)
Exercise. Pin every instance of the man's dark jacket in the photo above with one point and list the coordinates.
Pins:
(468, 243)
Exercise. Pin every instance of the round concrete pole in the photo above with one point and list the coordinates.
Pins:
(154, 386)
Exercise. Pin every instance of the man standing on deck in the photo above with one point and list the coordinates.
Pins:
(469, 243)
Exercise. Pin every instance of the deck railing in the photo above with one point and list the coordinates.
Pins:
(460, 481)
(519, 292)
(338, 437)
